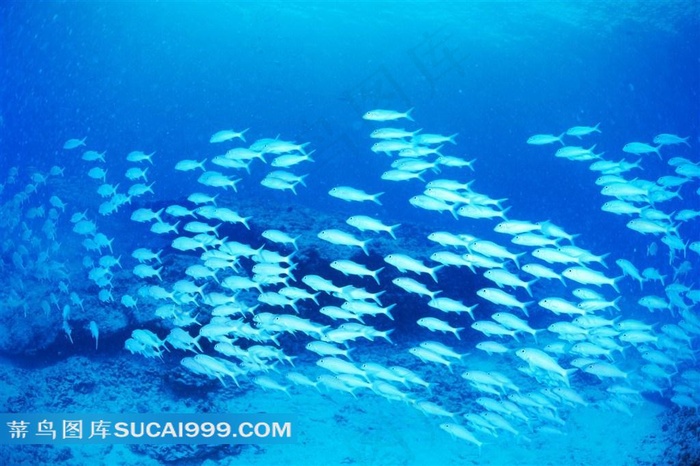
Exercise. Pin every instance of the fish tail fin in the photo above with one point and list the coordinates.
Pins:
(615, 301)
(377, 295)
(528, 285)
(674, 228)
(504, 211)
(157, 215)
(247, 167)
(568, 373)
(195, 342)
(454, 212)
(302, 146)
(388, 311)
(451, 139)
(301, 179)
(347, 353)
(433, 270)
(457, 330)
(534, 335)
(614, 283)
(375, 274)
(242, 134)
(363, 245)
(391, 230)
(375, 198)
(386, 334)
(407, 115)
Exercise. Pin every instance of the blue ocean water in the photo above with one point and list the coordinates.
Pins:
(164, 77)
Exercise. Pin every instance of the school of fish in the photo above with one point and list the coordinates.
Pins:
(228, 314)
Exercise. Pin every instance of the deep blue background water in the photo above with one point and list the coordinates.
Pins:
(164, 77)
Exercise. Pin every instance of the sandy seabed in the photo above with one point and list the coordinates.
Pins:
(334, 428)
